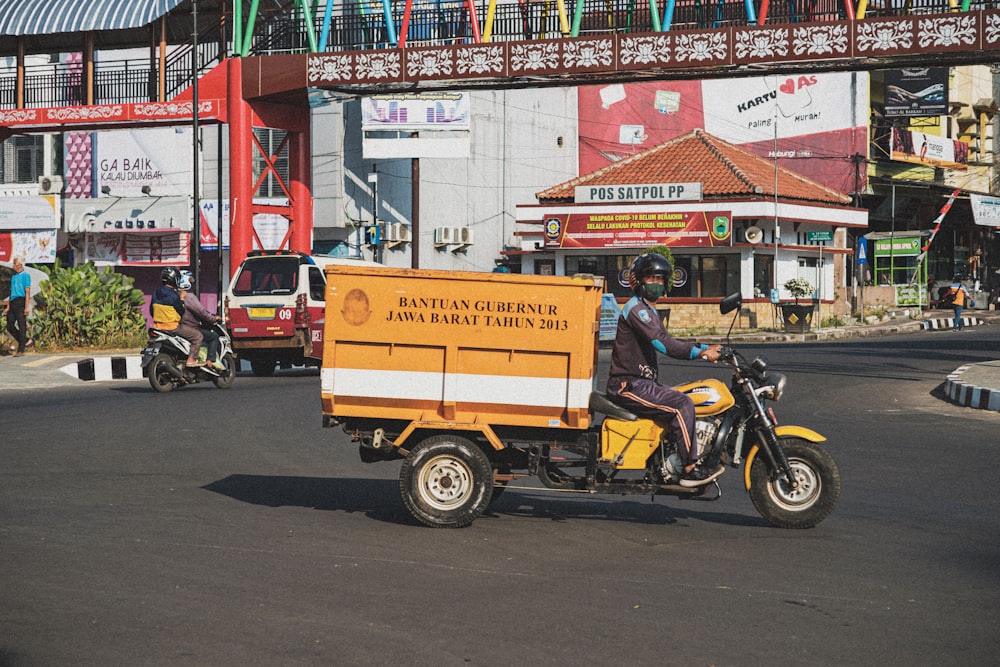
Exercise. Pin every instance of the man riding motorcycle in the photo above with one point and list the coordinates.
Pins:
(634, 368)
(166, 309)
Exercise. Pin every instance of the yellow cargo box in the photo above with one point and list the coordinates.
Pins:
(460, 347)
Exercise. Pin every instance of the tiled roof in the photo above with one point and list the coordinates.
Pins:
(724, 170)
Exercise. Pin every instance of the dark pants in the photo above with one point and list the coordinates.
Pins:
(667, 407)
(17, 325)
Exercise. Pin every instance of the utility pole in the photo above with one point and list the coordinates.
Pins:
(196, 232)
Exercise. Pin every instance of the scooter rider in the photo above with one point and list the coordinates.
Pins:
(634, 368)
(196, 317)
(166, 309)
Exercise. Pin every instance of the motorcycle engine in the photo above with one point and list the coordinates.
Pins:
(706, 428)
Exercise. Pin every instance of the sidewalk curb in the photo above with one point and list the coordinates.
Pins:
(969, 395)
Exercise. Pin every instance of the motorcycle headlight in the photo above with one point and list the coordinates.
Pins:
(777, 381)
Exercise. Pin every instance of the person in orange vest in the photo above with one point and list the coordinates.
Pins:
(958, 297)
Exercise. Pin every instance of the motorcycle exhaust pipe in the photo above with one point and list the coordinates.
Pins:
(173, 370)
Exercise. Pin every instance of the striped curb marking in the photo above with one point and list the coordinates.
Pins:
(947, 322)
(968, 395)
(105, 368)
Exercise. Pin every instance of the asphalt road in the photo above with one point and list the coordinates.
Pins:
(209, 527)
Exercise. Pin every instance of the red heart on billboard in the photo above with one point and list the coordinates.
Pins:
(787, 87)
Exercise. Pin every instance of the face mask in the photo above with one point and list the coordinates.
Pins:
(653, 291)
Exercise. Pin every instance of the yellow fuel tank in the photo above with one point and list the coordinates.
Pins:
(710, 396)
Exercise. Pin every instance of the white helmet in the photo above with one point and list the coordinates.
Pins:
(186, 280)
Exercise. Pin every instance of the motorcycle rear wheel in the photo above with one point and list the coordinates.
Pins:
(160, 378)
(816, 495)
(446, 482)
(226, 377)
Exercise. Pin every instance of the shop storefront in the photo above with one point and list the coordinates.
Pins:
(29, 227)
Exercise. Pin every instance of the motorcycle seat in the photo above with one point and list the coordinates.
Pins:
(601, 403)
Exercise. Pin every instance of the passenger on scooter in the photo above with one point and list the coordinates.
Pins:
(166, 309)
(634, 366)
(196, 316)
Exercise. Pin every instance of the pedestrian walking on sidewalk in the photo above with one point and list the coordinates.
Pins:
(958, 297)
(19, 306)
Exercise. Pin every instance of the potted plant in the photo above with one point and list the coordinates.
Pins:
(797, 317)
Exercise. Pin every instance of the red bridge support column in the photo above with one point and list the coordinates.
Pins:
(300, 183)
(240, 169)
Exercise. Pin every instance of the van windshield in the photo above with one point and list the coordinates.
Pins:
(267, 275)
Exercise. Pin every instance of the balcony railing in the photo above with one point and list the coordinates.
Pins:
(432, 23)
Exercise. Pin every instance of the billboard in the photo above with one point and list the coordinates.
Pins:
(928, 149)
(638, 229)
(416, 111)
(812, 124)
(916, 92)
(160, 158)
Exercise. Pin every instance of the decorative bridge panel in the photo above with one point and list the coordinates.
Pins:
(873, 43)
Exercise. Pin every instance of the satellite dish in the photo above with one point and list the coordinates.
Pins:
(754, 235)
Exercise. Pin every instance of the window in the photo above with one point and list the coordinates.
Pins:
(695, 276)
(270, 141)
(22, 159)
(763, 275)
(267, 275)
(705, 276)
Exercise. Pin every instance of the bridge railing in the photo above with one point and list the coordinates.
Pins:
(432, 23)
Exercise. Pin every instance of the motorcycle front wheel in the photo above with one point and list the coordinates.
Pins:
(815, 495)
(160, 378)
(226, 377)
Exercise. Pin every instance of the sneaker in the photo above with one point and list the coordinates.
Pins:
(700, 476)
(218, 365)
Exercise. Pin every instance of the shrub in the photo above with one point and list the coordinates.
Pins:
(799, 288)
(84, 307)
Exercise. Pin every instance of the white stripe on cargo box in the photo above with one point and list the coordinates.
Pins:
(458, 387)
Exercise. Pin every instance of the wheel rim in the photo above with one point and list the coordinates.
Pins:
(804, 495)
(445, 482)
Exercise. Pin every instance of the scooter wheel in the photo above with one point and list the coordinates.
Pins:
(159, 376)
(226, 377)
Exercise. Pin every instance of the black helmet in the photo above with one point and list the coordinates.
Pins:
(170, 276)
(646, 265)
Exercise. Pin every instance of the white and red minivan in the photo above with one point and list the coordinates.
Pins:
(274, 308)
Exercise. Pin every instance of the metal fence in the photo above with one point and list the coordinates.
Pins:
(432, 23)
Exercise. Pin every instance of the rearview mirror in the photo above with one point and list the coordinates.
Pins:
(731, 303)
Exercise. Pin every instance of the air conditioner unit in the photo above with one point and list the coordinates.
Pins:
(401, 232)
(445, 235)
(386, 230)
(465, 235)
(50, 185)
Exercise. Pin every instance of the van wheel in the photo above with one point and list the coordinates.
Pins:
(446, 482)
(263, 367)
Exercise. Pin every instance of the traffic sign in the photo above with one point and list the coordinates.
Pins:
(862, 251)
(819, 236)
